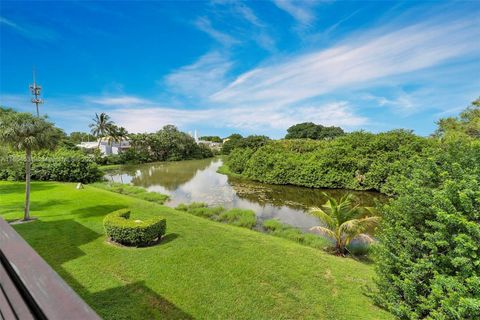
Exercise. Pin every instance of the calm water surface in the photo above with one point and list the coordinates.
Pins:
(198, 181)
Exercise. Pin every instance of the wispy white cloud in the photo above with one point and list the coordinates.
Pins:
(253, 119)
(118, 100)
(29, 31)
(301, 11)
(247, 13)
(356, 61)
(204, 24)
(202, 78)
(148, 115)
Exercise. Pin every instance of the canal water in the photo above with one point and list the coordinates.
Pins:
(198, 181)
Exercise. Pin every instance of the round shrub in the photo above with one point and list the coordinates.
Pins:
(121, 229)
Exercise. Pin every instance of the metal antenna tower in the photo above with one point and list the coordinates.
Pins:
(35, 89)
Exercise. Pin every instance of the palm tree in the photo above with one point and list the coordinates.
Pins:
(101, 125)
(24, 132)
(343, 221)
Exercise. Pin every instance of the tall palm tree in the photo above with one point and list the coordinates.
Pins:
(24, 132)
(343, 221)
(101, 125)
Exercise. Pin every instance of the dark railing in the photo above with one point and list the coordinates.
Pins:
(29, 288)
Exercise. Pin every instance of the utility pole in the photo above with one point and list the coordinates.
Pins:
(35, 89)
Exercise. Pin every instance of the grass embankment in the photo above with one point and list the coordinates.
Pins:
(224, 169)
(202, 269)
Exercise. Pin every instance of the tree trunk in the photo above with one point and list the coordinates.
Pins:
(28, 164)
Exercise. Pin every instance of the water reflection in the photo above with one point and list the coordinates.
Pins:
(198, 181)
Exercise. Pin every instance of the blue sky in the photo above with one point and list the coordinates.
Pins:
(251, 67)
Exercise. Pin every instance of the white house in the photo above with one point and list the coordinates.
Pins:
(106, 148)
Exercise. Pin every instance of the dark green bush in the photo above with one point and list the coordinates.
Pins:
(428, 256)
(358, 161)
(121, 229)
(60, 165)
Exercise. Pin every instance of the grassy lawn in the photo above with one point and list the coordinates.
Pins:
(201, 270)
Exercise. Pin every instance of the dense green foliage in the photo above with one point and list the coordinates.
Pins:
(428, 261)
(200, 269)
(429, 252)
(59, 165)
(358, 161)
(237, 141)
(121, 229)
(236, 217)
(310, 130)
(167, 144)
(467, 124)
(231, 143)
(77, 137)
(211, 138)
(134, 191)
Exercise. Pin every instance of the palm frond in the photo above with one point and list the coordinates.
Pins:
(323, 216)
(324, 231)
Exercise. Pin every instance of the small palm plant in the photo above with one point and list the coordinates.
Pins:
(343, 221)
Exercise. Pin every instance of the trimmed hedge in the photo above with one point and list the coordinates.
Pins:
(121, 229)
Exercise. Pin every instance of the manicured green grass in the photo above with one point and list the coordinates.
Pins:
(202, 269)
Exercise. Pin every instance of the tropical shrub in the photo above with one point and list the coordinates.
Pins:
(121, 229)
(343, 221)
(428, 256)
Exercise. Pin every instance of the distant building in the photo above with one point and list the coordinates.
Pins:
(213, 145)
(106, 148)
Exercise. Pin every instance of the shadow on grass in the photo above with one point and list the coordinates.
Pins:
(133, 301)
(169, 237)
(94, 211)
(19, 187)
(59, 242)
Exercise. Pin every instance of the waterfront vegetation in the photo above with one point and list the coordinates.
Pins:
(167, 144)
(344, 222)
(201, 269)
(134, 191)
(357, 161)
(426, 258)
(235, 216)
